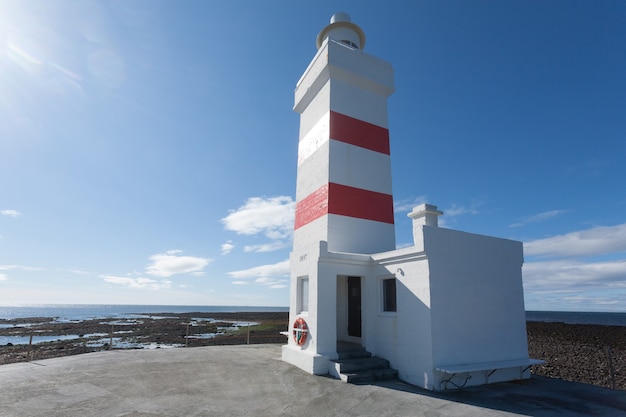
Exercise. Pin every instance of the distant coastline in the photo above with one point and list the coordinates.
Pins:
(73, 312)
(578, 317)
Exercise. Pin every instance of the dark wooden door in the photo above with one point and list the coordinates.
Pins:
(354, 306)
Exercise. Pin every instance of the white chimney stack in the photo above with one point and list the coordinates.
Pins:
(423, 215)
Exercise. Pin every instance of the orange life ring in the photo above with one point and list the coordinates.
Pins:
(300, 330)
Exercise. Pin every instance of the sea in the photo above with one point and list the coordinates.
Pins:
(578, 317)
(118, 314)
(77, 312)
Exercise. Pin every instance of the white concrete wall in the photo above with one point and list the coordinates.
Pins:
(352, 100)
(477, 300)
(322, 269)
(404, 338)
(316, 110)
(382, 327)
(415, 358)
(345, 164)
(305, 262)
(312, 80)
(349, 234)
(359, 68)
(313, 172)
(309, 234)
(459, 301)
(359, 167)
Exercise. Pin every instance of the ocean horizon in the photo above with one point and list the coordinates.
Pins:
(76, 312)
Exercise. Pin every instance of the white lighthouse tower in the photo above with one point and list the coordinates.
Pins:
(344, 201)
(445, 312)
(343, 194)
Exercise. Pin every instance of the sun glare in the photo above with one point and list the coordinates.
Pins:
(41, 61)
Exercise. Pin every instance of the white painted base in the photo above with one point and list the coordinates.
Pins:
(312, 363)
(333, 370)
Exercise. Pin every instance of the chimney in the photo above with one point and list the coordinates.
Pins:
(423, 215)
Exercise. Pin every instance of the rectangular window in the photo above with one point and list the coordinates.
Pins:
(303, 294)
(389, 294)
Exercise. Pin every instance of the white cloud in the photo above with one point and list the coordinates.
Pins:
(587, 300)
(266, 247)
(273, 216)
(3, 277)
(227, 248)
(596, 241)
(264, 273)
(539, 217)
(406, 205)
(265, 280)
(140, 282)
(173, 263)
(20, 267)
(460, 210)
(10, 213)
(569, 280)
(271, 283)
(78, 271)
(568, 276)
(240, 282)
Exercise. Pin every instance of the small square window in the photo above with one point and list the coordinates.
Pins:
(389, 294)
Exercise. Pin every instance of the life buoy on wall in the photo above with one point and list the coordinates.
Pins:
(300, 330)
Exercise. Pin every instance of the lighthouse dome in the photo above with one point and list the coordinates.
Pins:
(341, 29)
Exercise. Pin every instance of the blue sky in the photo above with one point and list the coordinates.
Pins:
(148, 148)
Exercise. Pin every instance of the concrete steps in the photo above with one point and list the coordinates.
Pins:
(357, 366)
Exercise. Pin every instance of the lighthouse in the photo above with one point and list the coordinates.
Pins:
(343, 193)
(446, 312)
(344, 201)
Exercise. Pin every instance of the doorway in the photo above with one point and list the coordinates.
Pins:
(354, 306)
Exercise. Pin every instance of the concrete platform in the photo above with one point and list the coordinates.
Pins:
(253, 381)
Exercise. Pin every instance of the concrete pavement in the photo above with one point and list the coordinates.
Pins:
(253, 381)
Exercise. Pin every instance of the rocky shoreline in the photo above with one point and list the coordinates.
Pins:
(587, 353)
(590, 354)
(154, 331)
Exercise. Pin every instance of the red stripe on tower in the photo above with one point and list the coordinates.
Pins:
(362, 204)
(312, 207)
(359, 133)
(344, 201)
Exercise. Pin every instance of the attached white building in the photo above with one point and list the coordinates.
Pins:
(446, 312)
